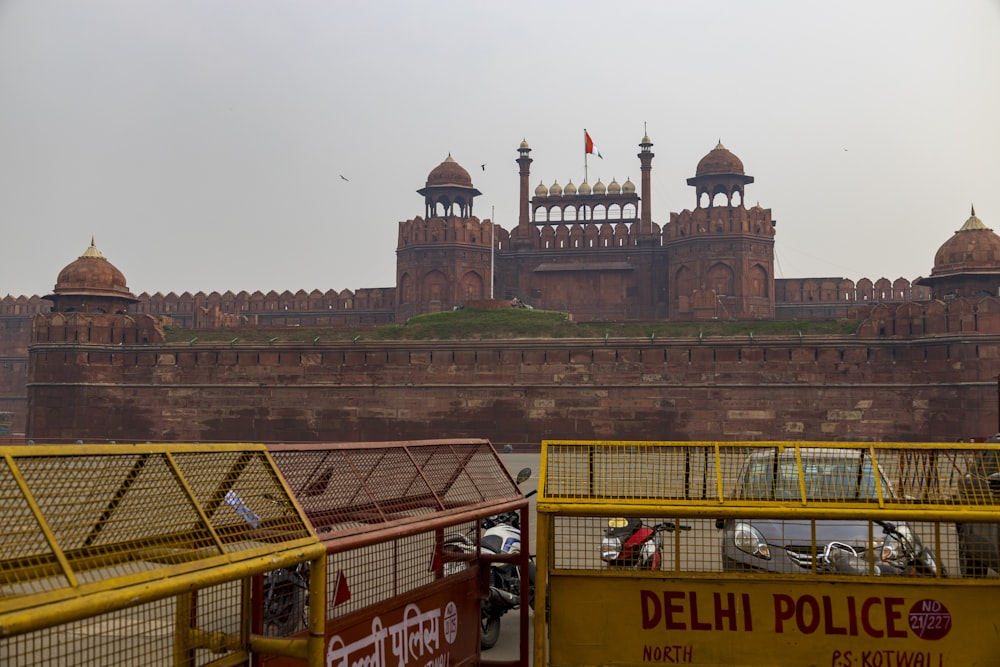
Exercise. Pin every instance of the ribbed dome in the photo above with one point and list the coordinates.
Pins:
(628, 187)
(570, 189)
(973, 247)
(584, 188)
(92, 275)
(719, 161)
(555, 190)
(541, 190)
(449, 172)
(614, 188)
(599, 187)
(524, 144)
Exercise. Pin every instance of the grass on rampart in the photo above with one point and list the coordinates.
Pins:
(470, 324)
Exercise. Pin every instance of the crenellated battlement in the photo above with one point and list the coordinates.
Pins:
(843, 290)
(754, 221)
(99, 328)
(450, 229)
(594, 235)
(23, 306)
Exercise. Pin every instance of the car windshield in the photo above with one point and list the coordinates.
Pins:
(835, 477)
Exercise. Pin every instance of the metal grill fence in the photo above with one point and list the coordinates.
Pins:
(382, 508)
(753, 524)
(139, 554)
(634, 472)
(947, 495)
(383, 511)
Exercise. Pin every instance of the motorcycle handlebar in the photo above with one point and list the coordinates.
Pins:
(670, 526)
(888, 527)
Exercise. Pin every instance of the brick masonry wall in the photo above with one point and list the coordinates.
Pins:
(15, 332)
(520, 392)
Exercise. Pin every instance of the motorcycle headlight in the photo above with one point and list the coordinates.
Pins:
(611, 547)
(899, 547)
(746, 538)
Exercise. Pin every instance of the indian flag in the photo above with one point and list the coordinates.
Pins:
(588, 145)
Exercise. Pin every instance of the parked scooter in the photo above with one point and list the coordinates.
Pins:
(501, 536)
(902, 554)
(631, 544)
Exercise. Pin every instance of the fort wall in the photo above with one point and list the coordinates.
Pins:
(939, 388)
(913, 371)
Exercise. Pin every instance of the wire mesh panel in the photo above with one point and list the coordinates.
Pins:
(141, 635)
(138, 554)
(734, 553)
(401, 522)
(349, 488)
(758, 546)
(883, 474)
(380, 572)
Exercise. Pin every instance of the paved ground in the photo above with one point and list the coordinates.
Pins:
(508, 646)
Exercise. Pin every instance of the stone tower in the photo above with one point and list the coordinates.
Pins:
(720, 256)
(443, 259)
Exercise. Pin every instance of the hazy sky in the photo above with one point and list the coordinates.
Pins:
(202, 142)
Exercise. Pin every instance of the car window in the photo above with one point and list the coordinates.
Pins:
(824, 479)
(757, 480)
(988, 462)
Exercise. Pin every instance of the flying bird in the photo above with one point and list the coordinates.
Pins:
(344, 178)
(483, 166)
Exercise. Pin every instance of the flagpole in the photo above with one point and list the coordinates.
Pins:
(492, 246)
(585, 156)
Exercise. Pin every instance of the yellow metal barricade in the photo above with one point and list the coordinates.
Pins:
(144, 554)
(768, 553)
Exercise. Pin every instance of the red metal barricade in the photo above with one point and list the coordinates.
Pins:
(383, 511)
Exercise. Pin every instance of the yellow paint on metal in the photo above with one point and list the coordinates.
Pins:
(663, 621)
(96, 537)
(693, 608)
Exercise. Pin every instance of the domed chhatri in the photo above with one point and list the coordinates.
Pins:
(448, 187)
(91, 284)
(720, 173)
(719, 161)
(973, 247)
(968, 263)
(448, 173)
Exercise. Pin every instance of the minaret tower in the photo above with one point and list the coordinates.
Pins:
(524, 231)
(646, 156)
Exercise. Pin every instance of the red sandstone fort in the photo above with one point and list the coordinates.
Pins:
(89, 362)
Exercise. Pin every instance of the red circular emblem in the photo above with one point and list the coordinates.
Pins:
(929, 619)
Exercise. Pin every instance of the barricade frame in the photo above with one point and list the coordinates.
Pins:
(405, 493)
(86, 539)
(575, 484)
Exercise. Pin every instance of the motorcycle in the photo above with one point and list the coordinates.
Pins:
(630, 544)
(286, 596)
(901, 554)
(501, 536)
